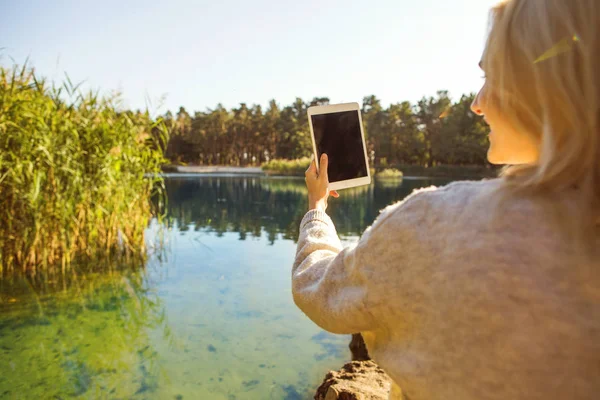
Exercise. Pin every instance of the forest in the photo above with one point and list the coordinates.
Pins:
(434, 131)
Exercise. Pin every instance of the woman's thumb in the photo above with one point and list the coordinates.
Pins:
(323, 166)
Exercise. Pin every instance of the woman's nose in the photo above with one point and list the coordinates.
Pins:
(475, 105)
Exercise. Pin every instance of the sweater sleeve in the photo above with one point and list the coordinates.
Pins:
(328, 284)
(340, 289)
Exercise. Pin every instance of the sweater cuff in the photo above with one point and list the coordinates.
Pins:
(316, 215)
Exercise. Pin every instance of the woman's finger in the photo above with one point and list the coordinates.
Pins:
(312, 169)
(334, 193)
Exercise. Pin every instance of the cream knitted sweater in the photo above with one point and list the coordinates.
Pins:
(455, 303)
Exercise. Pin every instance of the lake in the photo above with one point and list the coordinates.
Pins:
(210, 315)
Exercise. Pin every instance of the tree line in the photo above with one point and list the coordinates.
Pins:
(433, 131)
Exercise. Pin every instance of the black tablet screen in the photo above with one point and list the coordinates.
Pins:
(338, 135)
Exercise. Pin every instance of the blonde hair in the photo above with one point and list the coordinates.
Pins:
(542, 63)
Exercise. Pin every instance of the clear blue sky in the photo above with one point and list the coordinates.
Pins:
(200, 53)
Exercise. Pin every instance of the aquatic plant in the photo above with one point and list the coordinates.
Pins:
(83, 335)
(389, 173)
(76, 174)
(295, 167)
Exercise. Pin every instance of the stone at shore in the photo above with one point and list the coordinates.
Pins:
(357, 380)
(358, 348)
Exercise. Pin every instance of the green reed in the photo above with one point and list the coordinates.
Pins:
(76, 174)
(389, 173)
(283, 167)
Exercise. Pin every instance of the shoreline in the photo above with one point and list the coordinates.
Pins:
(221, 170)
(212, 169)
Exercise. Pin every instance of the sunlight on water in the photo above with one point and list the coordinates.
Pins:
(210, 316)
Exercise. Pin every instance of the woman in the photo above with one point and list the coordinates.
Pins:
(489, 289)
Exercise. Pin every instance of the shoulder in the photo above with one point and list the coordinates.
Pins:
(459, 192)
(428, 217)
(438, 203)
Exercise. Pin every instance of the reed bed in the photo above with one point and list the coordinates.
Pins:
(283, 167)
(389, 173)
(76, 174)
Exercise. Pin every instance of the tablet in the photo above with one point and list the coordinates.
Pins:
(337, 131)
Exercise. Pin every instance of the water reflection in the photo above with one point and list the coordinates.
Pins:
(251, 206)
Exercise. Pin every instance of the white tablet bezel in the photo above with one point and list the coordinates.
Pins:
(317, 110)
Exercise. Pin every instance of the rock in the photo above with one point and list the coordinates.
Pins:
(357, 380)
(358, 348)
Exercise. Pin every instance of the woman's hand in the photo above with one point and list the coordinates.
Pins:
(317, 185)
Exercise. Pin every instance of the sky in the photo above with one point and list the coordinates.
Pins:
(196, 54)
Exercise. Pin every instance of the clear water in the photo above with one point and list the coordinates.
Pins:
(210, 316)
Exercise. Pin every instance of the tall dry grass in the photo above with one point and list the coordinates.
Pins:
(74, 173)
